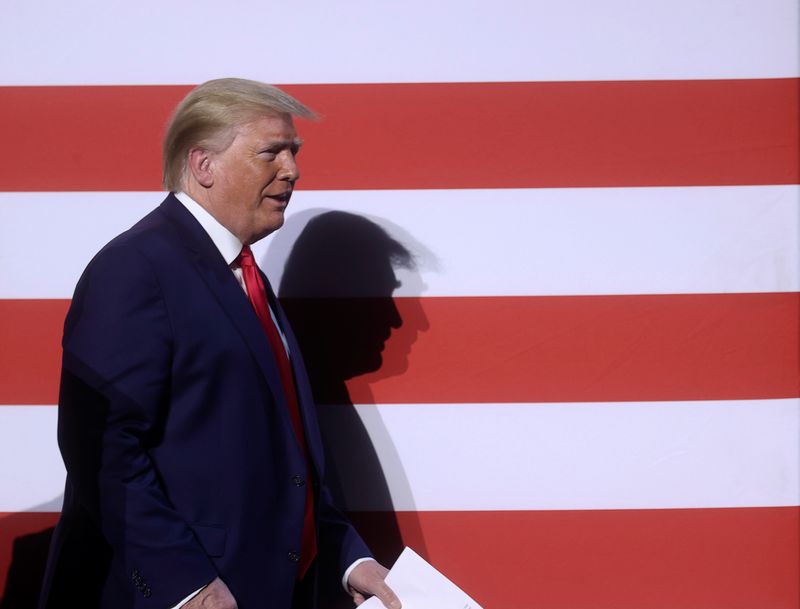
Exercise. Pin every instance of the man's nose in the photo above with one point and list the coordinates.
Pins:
(289, 170)
(394, 318)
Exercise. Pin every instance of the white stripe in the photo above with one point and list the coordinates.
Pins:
(575, 456)
(509, 456)
(472, 242)
(31, 470)
(317, 41)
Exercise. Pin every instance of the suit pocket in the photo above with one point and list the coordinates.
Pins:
(211, 537)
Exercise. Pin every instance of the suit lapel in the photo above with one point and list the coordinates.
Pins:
(223, 285)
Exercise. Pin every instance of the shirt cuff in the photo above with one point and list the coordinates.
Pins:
(187, 599)
(347, 573)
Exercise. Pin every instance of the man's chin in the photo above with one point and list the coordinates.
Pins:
(276, 221)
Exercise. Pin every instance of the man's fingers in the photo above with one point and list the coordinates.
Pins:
(215, 595)
(367, 579)
(387, 596)
(358, 598)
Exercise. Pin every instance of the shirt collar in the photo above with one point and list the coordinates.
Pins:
(227, 243)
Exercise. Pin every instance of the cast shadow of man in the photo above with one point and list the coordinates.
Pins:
(24, 541)
(337, 289)
(26, 567)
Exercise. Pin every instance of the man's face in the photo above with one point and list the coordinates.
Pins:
(254, 177)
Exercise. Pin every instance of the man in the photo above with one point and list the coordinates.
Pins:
(194, 462)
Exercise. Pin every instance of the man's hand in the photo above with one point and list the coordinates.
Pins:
(214, 596)
(367, 580)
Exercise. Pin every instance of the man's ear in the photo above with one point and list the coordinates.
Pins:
(200, 167)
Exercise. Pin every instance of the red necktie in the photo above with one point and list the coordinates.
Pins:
(258, 298)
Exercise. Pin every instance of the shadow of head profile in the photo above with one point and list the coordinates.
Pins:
(337, 289)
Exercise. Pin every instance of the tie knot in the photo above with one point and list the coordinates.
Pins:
(245, 257)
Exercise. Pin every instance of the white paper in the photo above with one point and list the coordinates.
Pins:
(420, 586)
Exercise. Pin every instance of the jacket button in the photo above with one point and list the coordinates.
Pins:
(293, 557)
(298, 480)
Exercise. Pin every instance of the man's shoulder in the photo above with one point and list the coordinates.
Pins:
(148, 236)
(144, 246)
(153, 224)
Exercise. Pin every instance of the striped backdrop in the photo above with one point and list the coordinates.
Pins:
(600, 398)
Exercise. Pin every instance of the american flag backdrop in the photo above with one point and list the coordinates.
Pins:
(593, 400)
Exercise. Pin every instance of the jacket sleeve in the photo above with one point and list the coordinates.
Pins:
(113, 400)
(344, 541)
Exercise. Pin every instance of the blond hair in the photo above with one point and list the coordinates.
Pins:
(208, 116)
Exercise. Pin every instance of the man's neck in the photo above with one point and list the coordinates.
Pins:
(228, 244)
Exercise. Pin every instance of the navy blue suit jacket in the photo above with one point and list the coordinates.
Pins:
(182, 464)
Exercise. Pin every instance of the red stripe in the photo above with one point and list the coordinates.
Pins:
(572, 349)
(512, 349)
(443, 135)
(30, 360)
(736, 558)
(659, 559)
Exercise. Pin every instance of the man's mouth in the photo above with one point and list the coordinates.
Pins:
(282, 198)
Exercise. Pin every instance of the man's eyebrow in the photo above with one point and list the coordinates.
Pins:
(295, 143)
